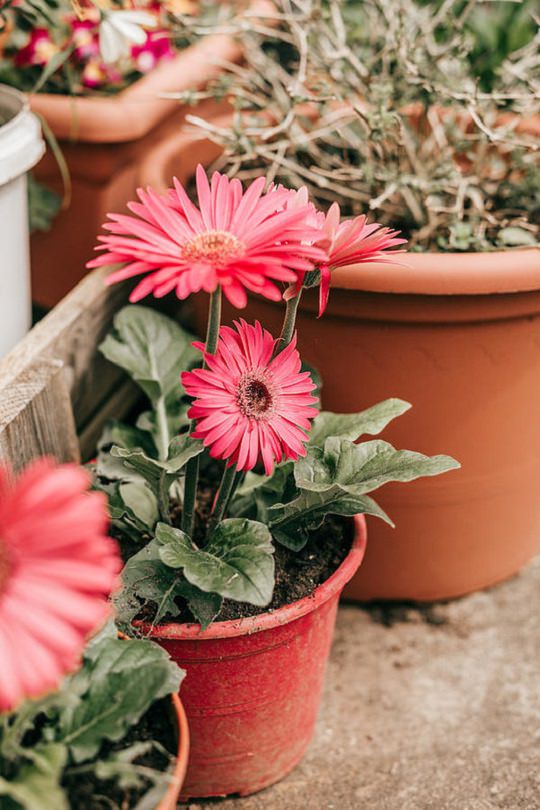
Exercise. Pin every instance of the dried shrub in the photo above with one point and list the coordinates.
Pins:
(416, 111)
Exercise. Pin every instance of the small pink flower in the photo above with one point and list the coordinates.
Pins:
(156, 48)
(352, 241)
(241, 240)
(84, 37)
(57, 570)
(250, 406)
(38, 50)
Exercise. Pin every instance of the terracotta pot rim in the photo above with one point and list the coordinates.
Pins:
(281, 616)
(171, 797)
(498, 271)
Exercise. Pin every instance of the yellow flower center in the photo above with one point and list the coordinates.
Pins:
(255, 396)
(212, 246)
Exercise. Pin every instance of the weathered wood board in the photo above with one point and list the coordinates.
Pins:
(56, 390)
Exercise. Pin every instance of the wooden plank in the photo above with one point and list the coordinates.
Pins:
(36, 416)
(71, 332)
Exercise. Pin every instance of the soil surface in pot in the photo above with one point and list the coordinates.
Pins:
(87, 793)
(297, 573)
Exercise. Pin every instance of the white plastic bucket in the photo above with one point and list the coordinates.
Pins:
(21, 146)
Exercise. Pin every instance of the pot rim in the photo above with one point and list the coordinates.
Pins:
(497, 271)
(21, 98)
(283, 615)
(170, 799)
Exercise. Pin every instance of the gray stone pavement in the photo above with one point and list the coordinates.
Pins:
(439, 711)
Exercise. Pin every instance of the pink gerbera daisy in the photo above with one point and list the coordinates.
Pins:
(352, 241)
(251, 406)
(57, 569)
(241, 240)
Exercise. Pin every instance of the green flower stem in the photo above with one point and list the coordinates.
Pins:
(163, 429)
(214, 321)
(192, 467)
(289, 323)
(224, 494)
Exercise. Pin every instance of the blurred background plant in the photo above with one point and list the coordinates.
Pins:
(88, 46)
(425, 113)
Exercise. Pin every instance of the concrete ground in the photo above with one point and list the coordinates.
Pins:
(439, 711)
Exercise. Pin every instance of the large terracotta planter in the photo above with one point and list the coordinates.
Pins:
(103, 140)
(458, 336)
(253, 686)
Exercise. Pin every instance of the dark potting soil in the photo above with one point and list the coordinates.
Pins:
(87, 793)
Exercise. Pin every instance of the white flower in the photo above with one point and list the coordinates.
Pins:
(119, 30)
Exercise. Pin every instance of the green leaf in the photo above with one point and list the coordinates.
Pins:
(36, 786)
(516, 237)
(204, 606)
(362, 468)
(236, 563)
(290, 523)
(140, 502)
(336, 480)
(146, 580)
(120, 766)
(15, 727)
(111, 468)
(160, 475)
(124, 679)
(353, 425)
(152, 348)
(181, 449)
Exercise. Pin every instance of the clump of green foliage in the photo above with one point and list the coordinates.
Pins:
(83, 729)
(422, 113)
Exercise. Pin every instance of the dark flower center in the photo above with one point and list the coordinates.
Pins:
(255, 397)
(212, 246)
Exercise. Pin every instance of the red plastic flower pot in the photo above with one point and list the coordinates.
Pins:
(253, 686)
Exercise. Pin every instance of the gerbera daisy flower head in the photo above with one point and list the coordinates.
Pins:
(354, 241)
(351, 241)
(239, 240)
(57, 570)
(251, 406)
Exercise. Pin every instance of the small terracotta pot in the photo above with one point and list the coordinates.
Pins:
(253, 686)
(458, 336)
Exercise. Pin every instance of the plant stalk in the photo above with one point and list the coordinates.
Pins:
(289, 323)
(192, 467)
(163, 429)
(224, 494)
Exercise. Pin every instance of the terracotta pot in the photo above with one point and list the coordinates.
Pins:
(458, 336)
(253, 686)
